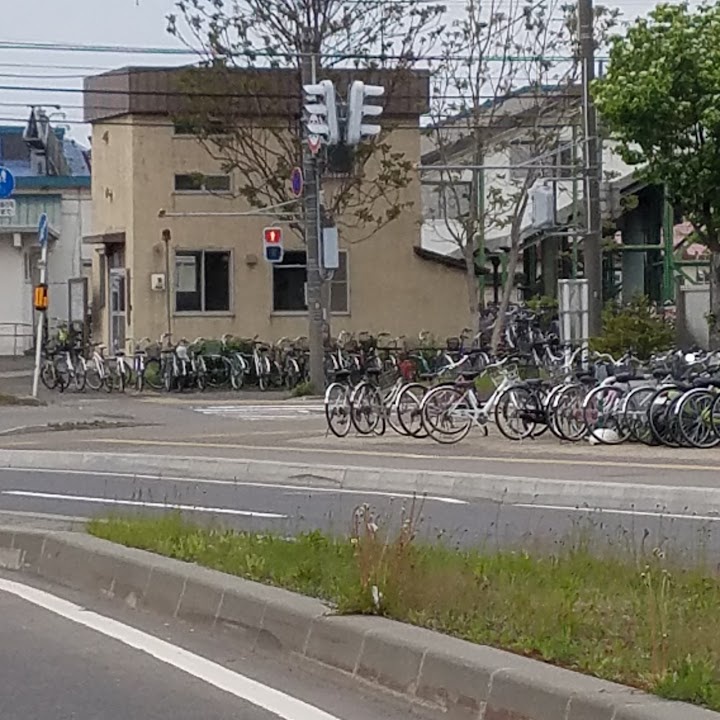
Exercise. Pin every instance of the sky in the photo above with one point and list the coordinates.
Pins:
(48, 78)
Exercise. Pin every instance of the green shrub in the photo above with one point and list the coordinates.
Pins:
(634, 326)
(304, 389)
(546, 308)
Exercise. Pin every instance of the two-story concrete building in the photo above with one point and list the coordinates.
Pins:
(52, 174)
(210, 277)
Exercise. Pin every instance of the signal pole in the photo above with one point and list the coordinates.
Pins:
(311, 207)
(592, 246)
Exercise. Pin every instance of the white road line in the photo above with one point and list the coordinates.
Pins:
(607, 511)
(143, 503)
(252, 691)
(244, 483)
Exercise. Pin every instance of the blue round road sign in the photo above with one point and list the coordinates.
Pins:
(7, 183)
(296, 181)
(43, 228)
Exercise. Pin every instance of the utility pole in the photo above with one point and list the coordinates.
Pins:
(311, 207)
(592, 246)
(477, 213)
(41, 307)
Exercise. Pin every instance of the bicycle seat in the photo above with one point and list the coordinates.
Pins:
(373, 371)
(427, 376)
(469, 375)
(625, 377)
(341, 374)
(120, 353)
(707, 382)
(533, 382)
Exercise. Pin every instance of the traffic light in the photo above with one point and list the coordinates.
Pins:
(321, 109)
(357, 110)
(40, 297)
(272, 244)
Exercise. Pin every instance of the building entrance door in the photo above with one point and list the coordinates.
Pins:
(118, 310)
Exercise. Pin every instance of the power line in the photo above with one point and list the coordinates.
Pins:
(183, 52)
(267, 95)
(20, 121)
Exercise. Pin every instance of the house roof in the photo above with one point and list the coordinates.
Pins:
(516, 116)
(16, 156)
(238, 92)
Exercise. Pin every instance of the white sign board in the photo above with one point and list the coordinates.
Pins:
(7, 208)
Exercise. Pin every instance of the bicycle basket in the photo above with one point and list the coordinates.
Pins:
(509, 372)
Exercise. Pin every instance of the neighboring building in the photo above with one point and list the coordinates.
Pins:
(52, 175)
(547, 254)
(218, 281)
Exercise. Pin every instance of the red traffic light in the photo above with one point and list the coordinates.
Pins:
(272, 236)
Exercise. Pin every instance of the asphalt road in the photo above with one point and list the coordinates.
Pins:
(291, 509)
(296, 432)
(68, 656)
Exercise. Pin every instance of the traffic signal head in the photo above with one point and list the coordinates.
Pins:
(321, 111)
(272, 244)
(272, 236)
(357, 110)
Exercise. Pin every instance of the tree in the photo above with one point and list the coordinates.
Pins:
(262, 34)
(505, 87)
(494, 89)
(660, 99)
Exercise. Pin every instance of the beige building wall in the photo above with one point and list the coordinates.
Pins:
(391, 289)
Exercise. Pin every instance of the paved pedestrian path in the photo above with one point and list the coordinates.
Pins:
(279, 411)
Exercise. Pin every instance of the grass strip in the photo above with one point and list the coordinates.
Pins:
(639, 622)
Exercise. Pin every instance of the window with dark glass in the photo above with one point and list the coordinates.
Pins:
(197, 182)
(202, 281)
(289, 284)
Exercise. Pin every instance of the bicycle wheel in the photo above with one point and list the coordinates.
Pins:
(446, 414)
(168, 375)
(715, 415)
(93, 376)
(602, 416)
(63, 374)
(517, 411)
(635, 414)
(291, 374)
(79, 377)
(153, 375)
(566, 413)
(337, 409)
(695, 420)
(409, 410)
(366, 408)
(660, 418)
(48, 375)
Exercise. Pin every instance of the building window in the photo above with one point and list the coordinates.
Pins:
(289, 284)
(340, 287)
(564, 158)
(199, 128)
(521, 153)
(197, 182)
(202, 281)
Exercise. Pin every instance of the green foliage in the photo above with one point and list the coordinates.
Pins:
(634, 326)
(304, 389)
(659, 99)
(546, 307)
(650, 625)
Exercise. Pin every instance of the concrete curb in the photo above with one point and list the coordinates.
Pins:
(467, 681)
(498, 488)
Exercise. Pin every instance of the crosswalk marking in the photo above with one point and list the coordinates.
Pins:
(262, 412)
